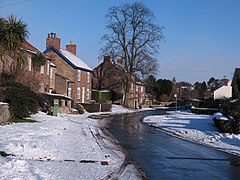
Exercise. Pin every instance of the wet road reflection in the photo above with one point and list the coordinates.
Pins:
(165, 157)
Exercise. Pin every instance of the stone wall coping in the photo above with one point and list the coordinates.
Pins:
(3, 103)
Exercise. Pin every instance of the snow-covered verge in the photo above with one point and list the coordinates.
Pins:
(196, 128)
(63, 147)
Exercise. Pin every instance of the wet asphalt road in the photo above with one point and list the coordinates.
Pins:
(165, 157)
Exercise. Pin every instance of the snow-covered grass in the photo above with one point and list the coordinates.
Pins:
(196, 128)
(62, 147)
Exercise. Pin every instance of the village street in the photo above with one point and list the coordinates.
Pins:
(163, 154)
(63, 147)
(75, 147)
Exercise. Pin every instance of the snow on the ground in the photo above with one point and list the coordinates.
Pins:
(196, 128)
(62, 147)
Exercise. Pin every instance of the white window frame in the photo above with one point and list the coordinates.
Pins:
(79, 75)
(88, 77)
(78, 93)
(87, 94)
(29, 64)
(42, 69)
(41, 87)
(83, 94)
(69, 92)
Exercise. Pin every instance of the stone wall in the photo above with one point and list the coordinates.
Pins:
(4, 113)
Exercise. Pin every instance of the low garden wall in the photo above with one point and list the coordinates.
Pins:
(96, 107)
(4, 113)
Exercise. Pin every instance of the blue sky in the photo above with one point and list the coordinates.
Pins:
(202, 36)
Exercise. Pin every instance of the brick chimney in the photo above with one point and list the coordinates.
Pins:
(53, 40)
(106, 59)
(71, 48)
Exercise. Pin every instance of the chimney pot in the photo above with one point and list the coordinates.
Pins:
(53, 40)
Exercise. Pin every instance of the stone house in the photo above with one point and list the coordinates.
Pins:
(73, 76)
(109, 76)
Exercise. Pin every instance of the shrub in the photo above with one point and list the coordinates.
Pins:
(79, 107)
(116, 95)
(21, 99)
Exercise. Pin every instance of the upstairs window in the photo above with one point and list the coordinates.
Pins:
(88, 77)
(79, 75)
(69, 92)
(48, 68)
(51, 73)
(29, 64)
(42, 70)
(132, 86)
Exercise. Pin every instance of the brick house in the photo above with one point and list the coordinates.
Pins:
(26, 74)
(46, 75)
(108, 75)
(73, 76)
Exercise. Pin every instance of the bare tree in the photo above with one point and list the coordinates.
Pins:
(134, 38)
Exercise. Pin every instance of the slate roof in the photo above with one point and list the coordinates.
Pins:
(29, 47)
(70, 58)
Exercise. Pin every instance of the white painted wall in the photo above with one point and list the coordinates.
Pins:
(223, 92)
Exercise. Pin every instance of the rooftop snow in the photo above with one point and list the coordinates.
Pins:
(75, 60)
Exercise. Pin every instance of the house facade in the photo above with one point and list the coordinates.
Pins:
(46, 73)
(73, 76)
(223, 92)
(108, 76)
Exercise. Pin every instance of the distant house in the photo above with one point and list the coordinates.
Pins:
(73, 76)
(108, 75)
(223, 92)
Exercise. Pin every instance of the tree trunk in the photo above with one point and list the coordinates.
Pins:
(127, 87)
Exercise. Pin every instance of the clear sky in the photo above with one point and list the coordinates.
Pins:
(202, 36)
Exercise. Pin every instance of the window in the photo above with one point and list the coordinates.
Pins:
(87, 94)
(83, 94)
(88, 77)
(51, 73)
(29, 64)
(132, 86)
(79, 75)
(42, 69)
(136, 88)
(48, 68)
(41, 87)
(78, 92)
(69, 92)
(142, 89)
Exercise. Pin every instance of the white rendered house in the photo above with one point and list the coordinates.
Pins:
(223, 92)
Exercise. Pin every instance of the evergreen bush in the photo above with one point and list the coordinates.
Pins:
(21, 99)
